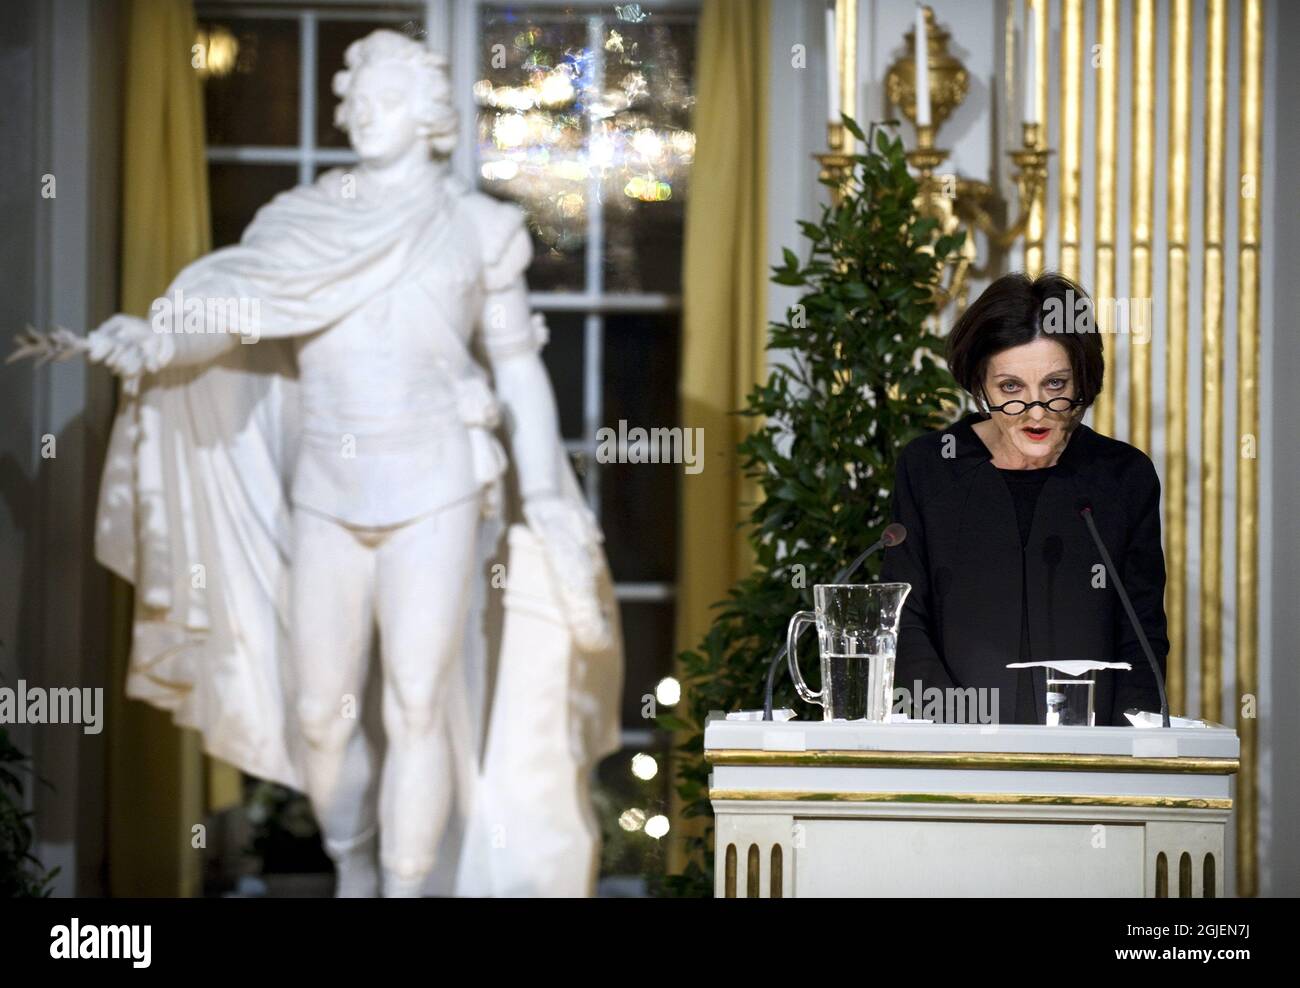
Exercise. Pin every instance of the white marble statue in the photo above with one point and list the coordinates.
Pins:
(309, 457)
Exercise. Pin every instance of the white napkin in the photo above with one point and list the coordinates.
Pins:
(1146, 718)
(1071, 667)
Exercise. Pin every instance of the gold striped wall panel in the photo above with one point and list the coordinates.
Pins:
(1177, 210)
(1071, 134)
(1106, 59)
(1250, 157)
(1216, 72)
(1038, 214)
(1142, 183)
(1174, 97)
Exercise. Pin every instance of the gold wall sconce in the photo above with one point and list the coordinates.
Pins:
(958, 202)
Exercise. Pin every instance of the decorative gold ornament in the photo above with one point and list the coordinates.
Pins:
(959, 203)
(949, 80)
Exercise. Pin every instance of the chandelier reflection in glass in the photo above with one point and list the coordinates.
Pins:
(583, 114)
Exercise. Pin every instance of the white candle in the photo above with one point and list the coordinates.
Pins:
(832, 68)
(921, 55)
(1030, 73)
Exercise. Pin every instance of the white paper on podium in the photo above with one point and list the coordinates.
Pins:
(1149, 718)
(1071, 667)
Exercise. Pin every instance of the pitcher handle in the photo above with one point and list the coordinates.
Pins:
(793, 631)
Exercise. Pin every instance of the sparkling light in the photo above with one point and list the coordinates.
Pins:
(557, 88)
(644, 766)
(656, 826)
(570, 170)
(571, 204)
(500, 171)
(668, 692)
(634, 86)
(632, 820)
(219, 51)
(563, 124)
(647, 144)
(647, 189)
(601, 152)
(509, 130)
(683, 142)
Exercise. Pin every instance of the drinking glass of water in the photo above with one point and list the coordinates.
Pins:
(857, 632)
(1069, 698)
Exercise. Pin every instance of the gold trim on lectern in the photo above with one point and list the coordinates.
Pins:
(982, 798)
(1017, 760)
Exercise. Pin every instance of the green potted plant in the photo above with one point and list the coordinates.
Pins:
(855, 377)
(21, 874)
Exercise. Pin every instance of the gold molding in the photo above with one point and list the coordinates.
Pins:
(1211, 603)
(1178, 208)
(1250, 157)
(1071, 134)
(1038, 204)
(970, 798)
(1107, 112)
(1142, 219)
(987, 760)
(846, 60)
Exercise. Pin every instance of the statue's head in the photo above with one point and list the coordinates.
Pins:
(394, 93)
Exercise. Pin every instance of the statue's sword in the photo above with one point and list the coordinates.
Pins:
(56, 345)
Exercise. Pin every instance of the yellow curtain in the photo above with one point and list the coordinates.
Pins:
(725, 286)
(725, 309)
(159, 782)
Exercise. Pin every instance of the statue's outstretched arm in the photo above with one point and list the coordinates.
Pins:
(130, 346)
(126, 345)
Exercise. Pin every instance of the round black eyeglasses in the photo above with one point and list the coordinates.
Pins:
(1059, 404)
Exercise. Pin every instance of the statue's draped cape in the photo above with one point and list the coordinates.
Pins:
(194, 511)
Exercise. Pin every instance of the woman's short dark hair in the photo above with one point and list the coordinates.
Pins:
(1015, 310)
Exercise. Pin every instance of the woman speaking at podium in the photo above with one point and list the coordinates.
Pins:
(1001, 562)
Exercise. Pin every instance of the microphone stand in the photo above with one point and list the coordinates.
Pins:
(1086, 513)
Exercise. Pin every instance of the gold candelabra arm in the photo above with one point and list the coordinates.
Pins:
(974, 198)
(1031, 186)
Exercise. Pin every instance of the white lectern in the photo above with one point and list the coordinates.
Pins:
(848, 808)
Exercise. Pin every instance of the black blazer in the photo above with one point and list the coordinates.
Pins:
(962, 620)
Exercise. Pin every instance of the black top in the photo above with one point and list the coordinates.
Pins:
(965, 560)
(1024, 486)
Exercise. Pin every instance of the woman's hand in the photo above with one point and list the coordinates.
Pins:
(570, 539)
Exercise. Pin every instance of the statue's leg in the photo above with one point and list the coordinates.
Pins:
(333, 627)
(422, 593)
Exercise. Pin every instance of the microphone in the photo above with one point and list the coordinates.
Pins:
(893, 535)
(1084, 507)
